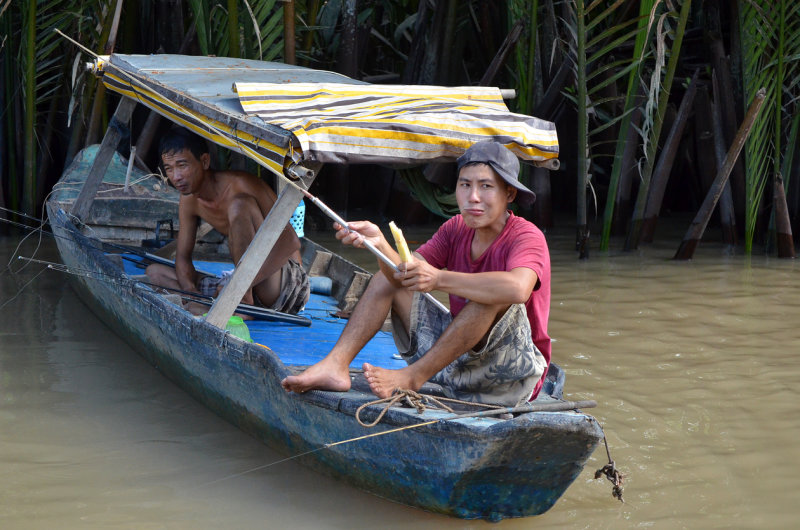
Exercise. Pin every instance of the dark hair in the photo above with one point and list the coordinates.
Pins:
(178, 139)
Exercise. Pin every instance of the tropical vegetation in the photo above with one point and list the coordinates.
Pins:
(610, 73)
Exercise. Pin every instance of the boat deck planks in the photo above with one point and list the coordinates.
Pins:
(297, 345)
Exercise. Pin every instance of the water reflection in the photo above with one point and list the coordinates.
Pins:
(693, 366)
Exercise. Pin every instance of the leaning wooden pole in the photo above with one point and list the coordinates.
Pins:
(698, 226)
(783, 223)
(658, 184)
(727, 212)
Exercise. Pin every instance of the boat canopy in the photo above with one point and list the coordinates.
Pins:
(282, 115)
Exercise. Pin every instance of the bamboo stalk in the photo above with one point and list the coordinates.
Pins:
(108, 40)
(233, 29)
(29, 163)
(665, 161)
(724, 97)
(288, 33)
(500, 57)
(582, 235)
(726, 208)
(698, 226)
(619, 185)
(634, 234)
(783, 223)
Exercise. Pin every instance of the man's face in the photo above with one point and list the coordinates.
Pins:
(184, 170)
(482, 196)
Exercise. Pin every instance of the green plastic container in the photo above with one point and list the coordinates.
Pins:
(236, 326)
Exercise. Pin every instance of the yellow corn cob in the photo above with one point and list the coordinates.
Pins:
(400, 243)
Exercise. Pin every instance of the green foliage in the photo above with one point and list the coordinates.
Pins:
(223, 31)
(38, 70)
(593, 33)
(770, 34)
(647, 11)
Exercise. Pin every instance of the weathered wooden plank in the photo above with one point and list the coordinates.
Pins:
(320, 263)
(121, 118)
(698, 226)
(253, 258)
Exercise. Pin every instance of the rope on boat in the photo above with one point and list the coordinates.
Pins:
(611, 473)
(414, 399)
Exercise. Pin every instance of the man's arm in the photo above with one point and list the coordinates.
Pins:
(362, 231)
(184, 268)
(498, 287)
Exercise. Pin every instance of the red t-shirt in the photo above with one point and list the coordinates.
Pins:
(520, 244)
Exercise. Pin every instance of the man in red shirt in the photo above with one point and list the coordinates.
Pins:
(493, 345)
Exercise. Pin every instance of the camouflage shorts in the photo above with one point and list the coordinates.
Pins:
(295, 287)
(504, 372)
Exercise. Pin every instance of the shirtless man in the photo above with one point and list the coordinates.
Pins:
(493, 346)
(235, 203)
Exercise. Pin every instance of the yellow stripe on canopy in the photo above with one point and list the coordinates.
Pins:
(396, 123)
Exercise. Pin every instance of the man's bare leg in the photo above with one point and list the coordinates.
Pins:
(468, 330)
(332, 372)
(162, 275)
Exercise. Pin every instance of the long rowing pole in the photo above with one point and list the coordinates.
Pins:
(261, 313)
(380, 255)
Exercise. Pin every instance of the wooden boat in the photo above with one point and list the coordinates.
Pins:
(490, 467)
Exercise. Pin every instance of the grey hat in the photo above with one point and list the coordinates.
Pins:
(503, 161)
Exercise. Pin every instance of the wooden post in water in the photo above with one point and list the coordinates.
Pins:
(658, 184)
(698, 226)
(726, 209)
(783, 223)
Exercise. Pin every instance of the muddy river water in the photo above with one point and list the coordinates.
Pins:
(694, 366)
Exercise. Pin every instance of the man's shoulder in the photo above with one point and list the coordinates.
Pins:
(521, 225)
(233, 175)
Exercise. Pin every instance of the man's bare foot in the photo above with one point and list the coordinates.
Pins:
(325, 375)
(384, 382)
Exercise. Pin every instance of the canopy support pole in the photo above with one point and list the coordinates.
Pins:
(121, 119)
(255, 255)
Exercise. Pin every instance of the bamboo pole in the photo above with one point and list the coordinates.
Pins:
(99, 96)
(634, 234)
(288, 33)
(666, 159)
(500, 57)
(724, 97)
(29, 173)
(726, 209)
(582, 234)
(783, 223)
(698, 226)
(234, 49)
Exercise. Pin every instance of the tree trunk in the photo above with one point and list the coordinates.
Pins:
(783, 225)
(698, 226)
(726, 208)
(29, 170)
(665, 162)
(348, 40)
(288, 33)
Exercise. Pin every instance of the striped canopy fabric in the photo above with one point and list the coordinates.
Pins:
(281, 115)
(336, 123)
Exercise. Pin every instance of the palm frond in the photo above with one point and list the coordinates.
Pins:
(770, 46)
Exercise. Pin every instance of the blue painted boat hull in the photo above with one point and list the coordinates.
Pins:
(469, 468)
